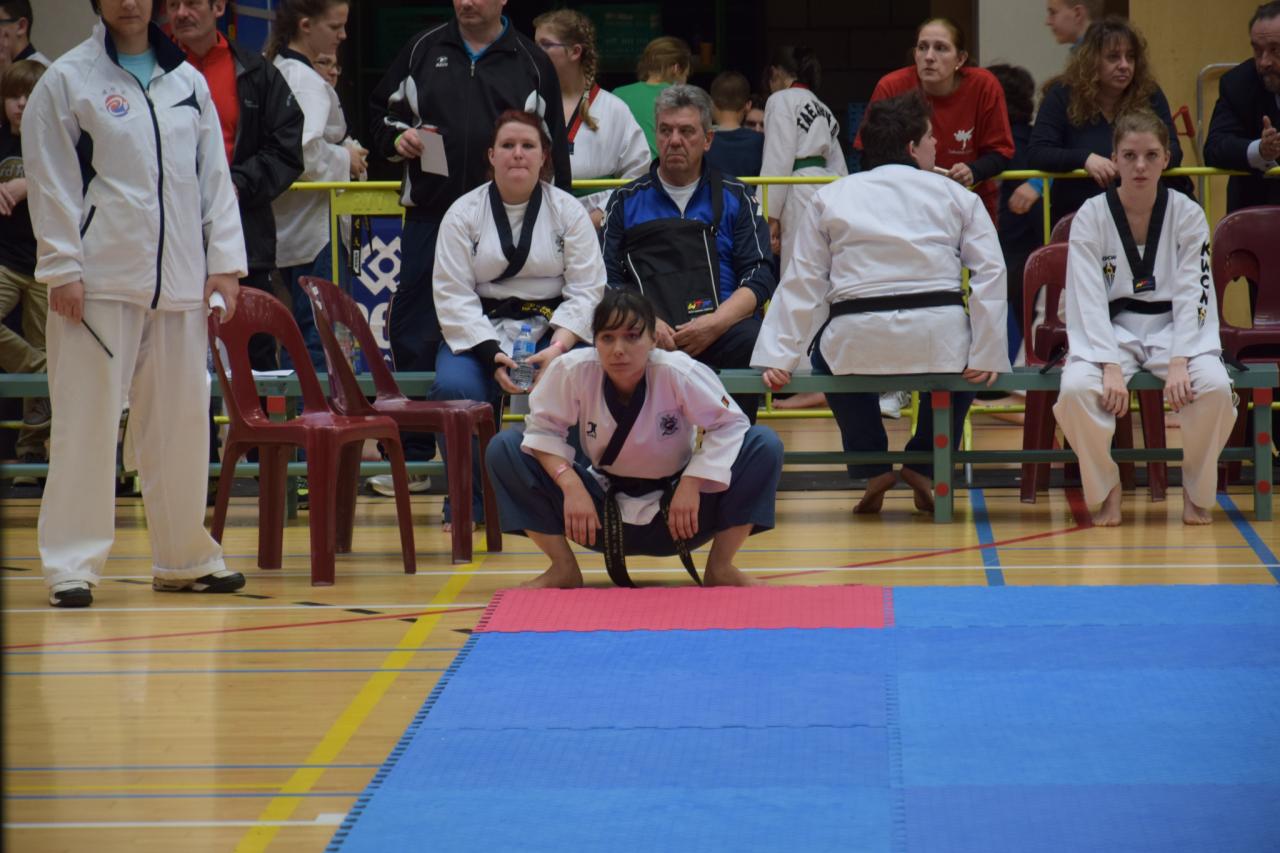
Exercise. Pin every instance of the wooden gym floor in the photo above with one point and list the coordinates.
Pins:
(250, 722)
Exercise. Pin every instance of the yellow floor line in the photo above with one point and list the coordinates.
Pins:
(349, 721)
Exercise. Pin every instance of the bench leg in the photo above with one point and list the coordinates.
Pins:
(1262, 453)
(943, 499)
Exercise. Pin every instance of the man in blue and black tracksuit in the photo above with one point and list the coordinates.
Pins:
(455, 79)
(694, 242)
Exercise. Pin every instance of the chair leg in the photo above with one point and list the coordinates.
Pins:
(1032, 427)
(345, 502)
(1123, 440)
(1151, 410)
(492, 527)
(231, 454)
(457, 438)
(1229, 472)
(404, 513)
(1048, 429)
(322, 471)
(272, 462)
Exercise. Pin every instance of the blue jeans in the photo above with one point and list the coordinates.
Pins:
(321, 267)
(861, 430)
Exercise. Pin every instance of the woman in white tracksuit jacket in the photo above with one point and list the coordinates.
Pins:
(136, 223)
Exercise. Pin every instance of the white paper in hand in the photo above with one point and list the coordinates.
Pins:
(433, 159)
(217, 302)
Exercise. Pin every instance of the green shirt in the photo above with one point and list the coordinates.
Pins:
(640, 98)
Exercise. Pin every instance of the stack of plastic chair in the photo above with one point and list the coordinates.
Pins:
(1247, 245)
(458, 420)
(332, 441)
(1047, 268)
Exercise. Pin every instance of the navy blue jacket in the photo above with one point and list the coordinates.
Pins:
(1237, 122)
(1057, 145)
(742, 240)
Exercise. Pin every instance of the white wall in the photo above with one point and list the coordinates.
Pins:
(1013, 31)
(61, 25)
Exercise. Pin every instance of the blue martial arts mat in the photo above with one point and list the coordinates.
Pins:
(982, 719)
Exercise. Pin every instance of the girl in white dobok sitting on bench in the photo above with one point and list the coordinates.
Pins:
(1140, 295)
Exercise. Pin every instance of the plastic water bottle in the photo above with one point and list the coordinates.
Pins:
(522, 375)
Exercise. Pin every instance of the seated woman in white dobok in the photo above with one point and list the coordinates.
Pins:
(654, 485)
(1148, 305)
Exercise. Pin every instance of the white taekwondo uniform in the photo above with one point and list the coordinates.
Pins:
(798, 127)
(892, 231)
(617, 148)
(157, 216)
(681, 396)
(564, 262)
(1099, 272)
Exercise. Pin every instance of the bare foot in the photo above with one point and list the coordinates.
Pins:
(727, 575)
(807, 400)
(873, 497)
(1108, 515)
(921, 487)
(1192, 514)
(556, 577)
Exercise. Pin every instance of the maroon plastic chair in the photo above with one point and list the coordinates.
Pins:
(1247, 245)
(332, 441)
(1047, 268)
(458, 420)
(1061, 232)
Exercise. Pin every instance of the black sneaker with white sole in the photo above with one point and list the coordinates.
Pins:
(71, 594)
(219, 581)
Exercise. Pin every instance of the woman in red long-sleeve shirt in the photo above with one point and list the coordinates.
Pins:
(970, 120)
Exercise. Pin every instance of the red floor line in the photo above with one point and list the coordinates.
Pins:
(379, 618)
(925, 554)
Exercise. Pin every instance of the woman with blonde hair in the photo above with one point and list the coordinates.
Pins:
(1109, 74)
(666, 60)
(604, 139)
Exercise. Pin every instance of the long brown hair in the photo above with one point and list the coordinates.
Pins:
(1081, 74)
(572, 28)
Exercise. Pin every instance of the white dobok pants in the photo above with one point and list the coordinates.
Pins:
(1206, 422)
(159, 368)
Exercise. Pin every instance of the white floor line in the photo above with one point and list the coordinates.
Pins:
(320, 820)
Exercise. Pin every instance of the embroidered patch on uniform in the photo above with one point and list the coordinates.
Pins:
(1109, 270)
(591, 429)
(560, 240)
(668, 423)
(725, 402)
(117, 105)
(1144, 285)
(699, 306)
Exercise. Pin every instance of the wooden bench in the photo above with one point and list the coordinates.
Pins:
(1259, 380)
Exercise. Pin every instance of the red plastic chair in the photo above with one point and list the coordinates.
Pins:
(1246, 246)
(331, 441)
(1047, 268)
(458, 420)
(1061, 232)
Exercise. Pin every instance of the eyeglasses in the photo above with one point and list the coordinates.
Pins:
(545, 45)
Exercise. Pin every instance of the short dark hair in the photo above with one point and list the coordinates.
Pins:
(1019, 91)
(623, 307)
(1265, 12)
(801, 62)
(730, 91)
(18, 9)
(890, 124)
(20, 78)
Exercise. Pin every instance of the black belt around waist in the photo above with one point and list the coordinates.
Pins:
(1139, 306)
(615, 558)
(515, 308)
(898, 302)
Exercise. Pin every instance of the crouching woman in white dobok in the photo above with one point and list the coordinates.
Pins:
(1139, 295)
(650, 488)
(874, 286)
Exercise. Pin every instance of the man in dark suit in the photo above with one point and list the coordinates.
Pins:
(1244, 133)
